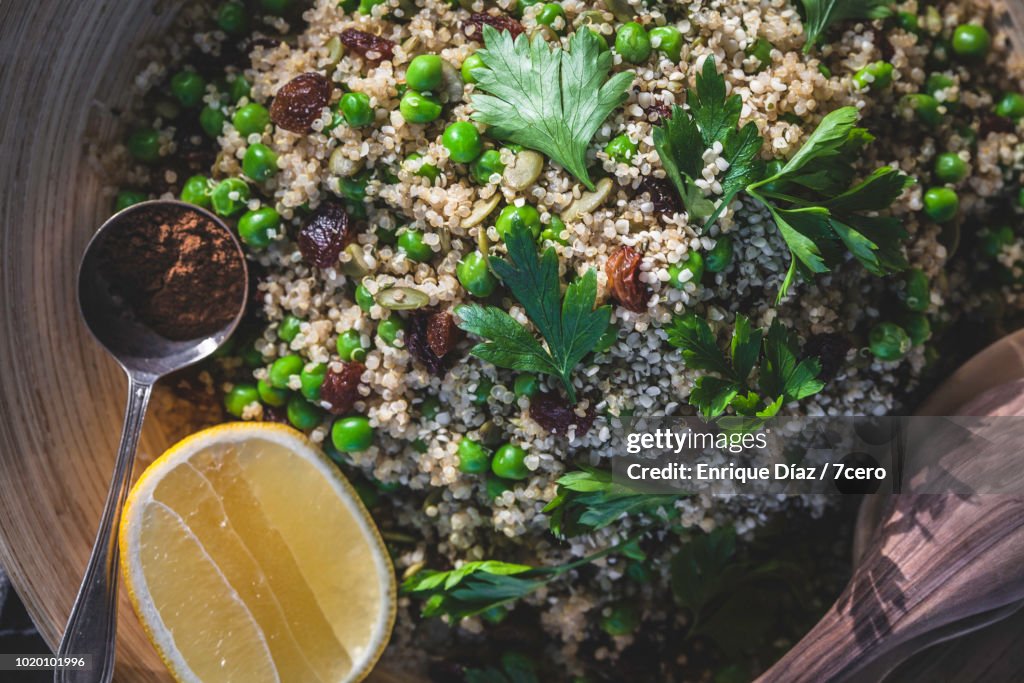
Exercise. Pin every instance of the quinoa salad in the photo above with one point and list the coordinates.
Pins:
(478, 230)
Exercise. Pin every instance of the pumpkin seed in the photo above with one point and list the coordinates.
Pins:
(402, 298)
(356, 266)
(588, 201)
(481, 210)
(524, 169)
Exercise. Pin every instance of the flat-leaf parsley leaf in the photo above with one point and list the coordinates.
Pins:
(570, 325)
(544, 98)
(823, 13)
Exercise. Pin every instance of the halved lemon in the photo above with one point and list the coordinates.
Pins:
(248, 557)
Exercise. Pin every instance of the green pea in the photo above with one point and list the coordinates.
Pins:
(937, 82)
(888, 341)
(239, 398)
(239, 88)
(994, 240)
(761, 50)
(918, 293)
(212, 121)
(918, 329)
(667, 40)
(350, 346)
(255, 227)
(430, 407)
(126, 198)
(428, 171)
(259, 162)
(908, 22)
(525, 385)
(366, 6)
(355, 107)
(620, 149)
(554, 231)
(549, 13)
(229, 196)
(462, 140)
(278, 8)
(877, 76)
(144, 145)
(971, 41)
(353, 188)
(950, 168)
(250, 119)
(289, 328)
(425, 73)
(509, 463)
(486, 166)
(941, 204)
(232, 18)
(483, 391)
(475, 276)
(1011, 106)
(925, 107)
(352, 434)
(720, 256)
(494, 487)
(607, 340)
(389, 328)
(633, 43)
(694, 263)
(411, 242)
(364, 299)
(473, 458)
(188, 88)
(602, 41)
(271, 395)
(312, 378)
(282, 370)
(196, 190)
(621, 620)
(524, 216)
(419, 108)
(474, 61)
(302, 414)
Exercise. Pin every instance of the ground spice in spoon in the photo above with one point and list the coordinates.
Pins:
(178, 271)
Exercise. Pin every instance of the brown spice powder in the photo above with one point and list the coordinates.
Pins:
(177, 270)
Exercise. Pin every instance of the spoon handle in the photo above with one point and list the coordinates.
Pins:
(92, 626)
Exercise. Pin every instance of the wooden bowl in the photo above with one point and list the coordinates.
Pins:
(65, 70)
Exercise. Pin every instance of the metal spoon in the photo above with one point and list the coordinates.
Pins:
(145, 356)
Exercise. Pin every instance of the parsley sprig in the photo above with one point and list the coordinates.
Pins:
(818, 208)
(588, 500)
(821, 14)
(820, 211)
(782, 377)
(570, 324)
(476, 587)
(712, 117)
(547, 99)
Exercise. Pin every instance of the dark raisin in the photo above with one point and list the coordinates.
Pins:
(442, 334)
(556, 416)
(990, 122)
(474, 26)
(300, 102)
(663, 195)
(417, 341)
(372, 48)
(830, 349)
(340, 390)
(324, 234)
(623, 269)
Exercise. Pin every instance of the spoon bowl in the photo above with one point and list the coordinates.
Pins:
(109, 297)
(137, 347)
